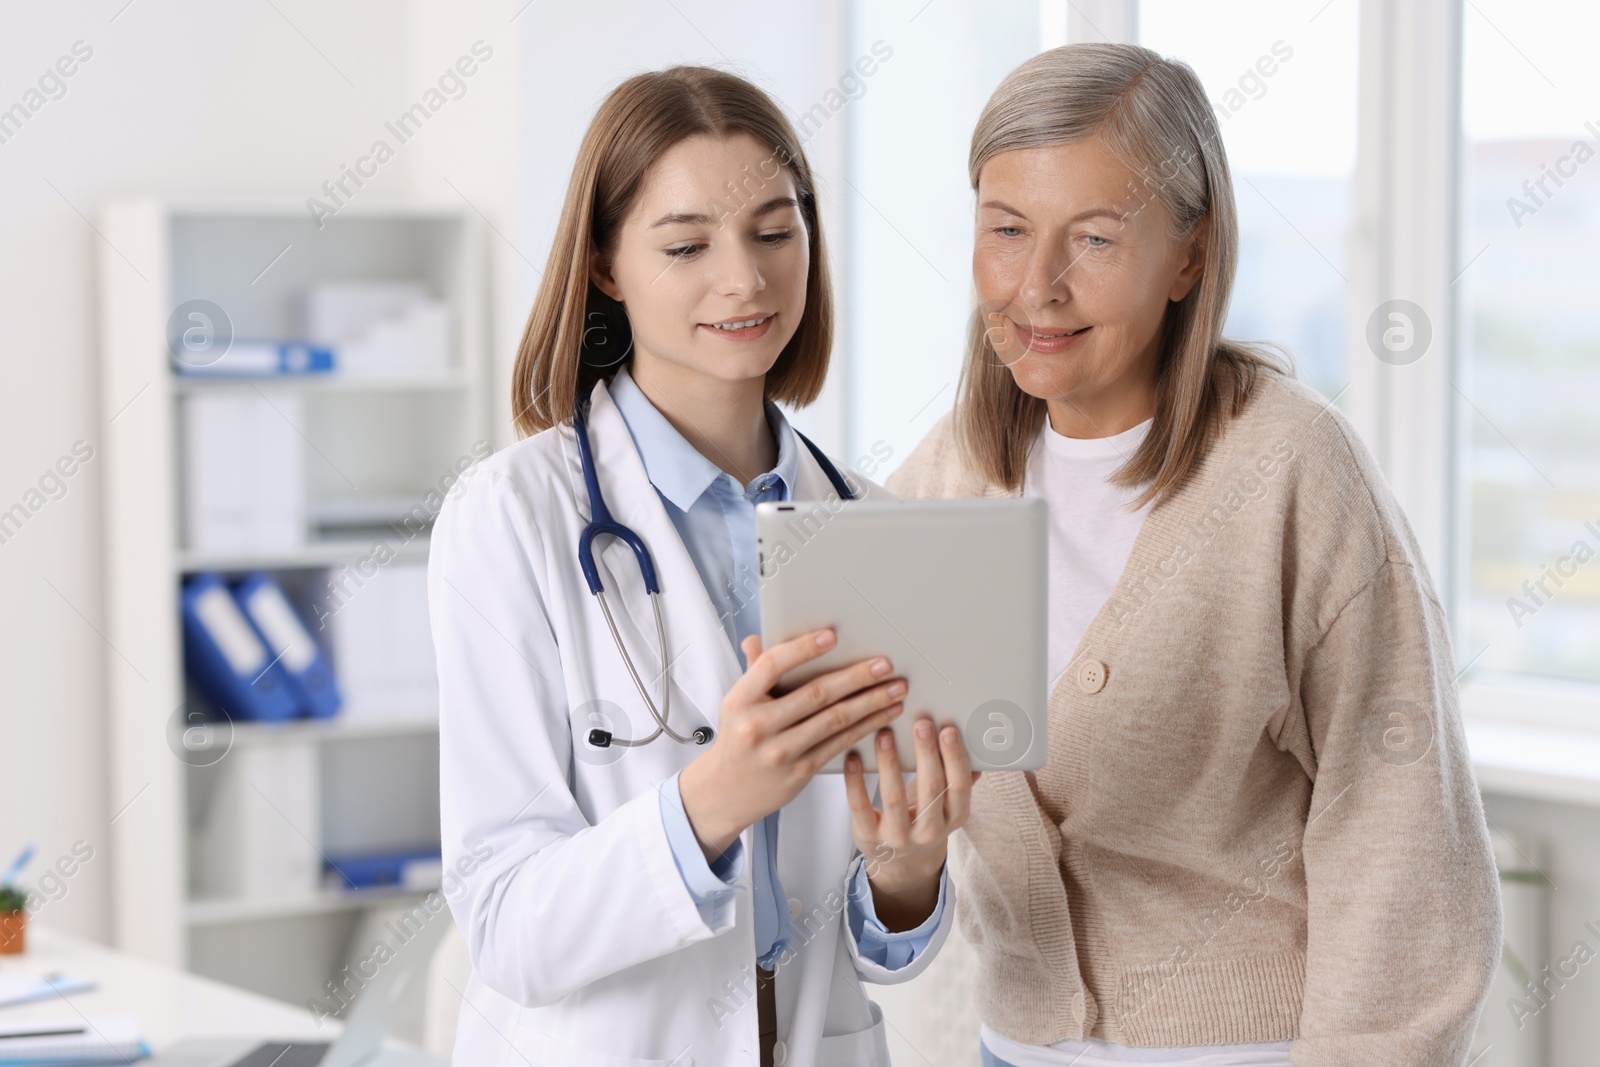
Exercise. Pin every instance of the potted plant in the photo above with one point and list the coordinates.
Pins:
(13, 919)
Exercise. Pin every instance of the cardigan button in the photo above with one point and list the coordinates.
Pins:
(1080, 1007)
(1092, 676)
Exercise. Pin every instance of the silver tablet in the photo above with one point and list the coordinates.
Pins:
(954, 592)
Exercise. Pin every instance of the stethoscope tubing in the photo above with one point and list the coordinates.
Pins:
(601, 522)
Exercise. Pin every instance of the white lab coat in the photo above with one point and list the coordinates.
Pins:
(587, 949)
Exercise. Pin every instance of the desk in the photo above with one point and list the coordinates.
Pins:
(170, 1004)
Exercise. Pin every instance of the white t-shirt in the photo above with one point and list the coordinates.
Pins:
(1091, 530)
(1091, 534)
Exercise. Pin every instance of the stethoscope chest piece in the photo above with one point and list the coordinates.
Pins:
(701, 735)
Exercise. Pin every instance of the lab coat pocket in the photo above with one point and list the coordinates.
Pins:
(864, 1048)
(539, 1049)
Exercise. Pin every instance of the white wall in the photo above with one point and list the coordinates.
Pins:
(178, 97)
(1564, 838)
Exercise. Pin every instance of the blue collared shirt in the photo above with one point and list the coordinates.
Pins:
(715, 517)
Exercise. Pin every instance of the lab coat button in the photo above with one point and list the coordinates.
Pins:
(795, 907)
(1092, 676)
(780, 1053)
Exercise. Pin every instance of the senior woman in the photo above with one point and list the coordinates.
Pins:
(1257, 838)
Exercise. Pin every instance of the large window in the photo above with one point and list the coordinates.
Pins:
(909, 206)
(1282, 80)
(1529, 388)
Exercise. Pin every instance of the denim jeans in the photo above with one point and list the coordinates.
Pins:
(990, 1059)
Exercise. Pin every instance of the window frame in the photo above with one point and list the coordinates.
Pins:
(1405, 243)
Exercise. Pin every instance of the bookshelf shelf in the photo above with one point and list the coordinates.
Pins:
(202, 912)
(317, 554)
(318, 383)
(367, 783)
(208, 738)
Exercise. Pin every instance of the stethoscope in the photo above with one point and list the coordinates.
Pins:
(601, 522)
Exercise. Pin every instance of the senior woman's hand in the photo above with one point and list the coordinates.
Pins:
(905, 843)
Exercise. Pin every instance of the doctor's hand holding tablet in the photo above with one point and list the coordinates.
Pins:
(950, 593)
(769, 747)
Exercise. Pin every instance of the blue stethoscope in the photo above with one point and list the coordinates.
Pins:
(601, 522)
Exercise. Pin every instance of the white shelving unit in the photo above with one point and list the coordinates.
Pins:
(392, 438)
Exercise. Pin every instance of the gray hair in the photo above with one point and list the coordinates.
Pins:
(1153, 115)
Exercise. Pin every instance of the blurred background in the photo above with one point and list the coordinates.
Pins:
(264, 267)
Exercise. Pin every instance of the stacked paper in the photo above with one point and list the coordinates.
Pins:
(242, 472)
(260, 830)
(382, 648)
(72, 1040)
(380, 329)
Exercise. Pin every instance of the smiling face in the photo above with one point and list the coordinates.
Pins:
(711, 263)
(1074, 266)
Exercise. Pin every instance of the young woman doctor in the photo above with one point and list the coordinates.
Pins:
(614, 763)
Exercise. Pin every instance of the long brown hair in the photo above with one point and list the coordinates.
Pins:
(577, 335)
(1154, 116)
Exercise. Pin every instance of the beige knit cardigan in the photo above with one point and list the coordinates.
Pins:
(1258, 820)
